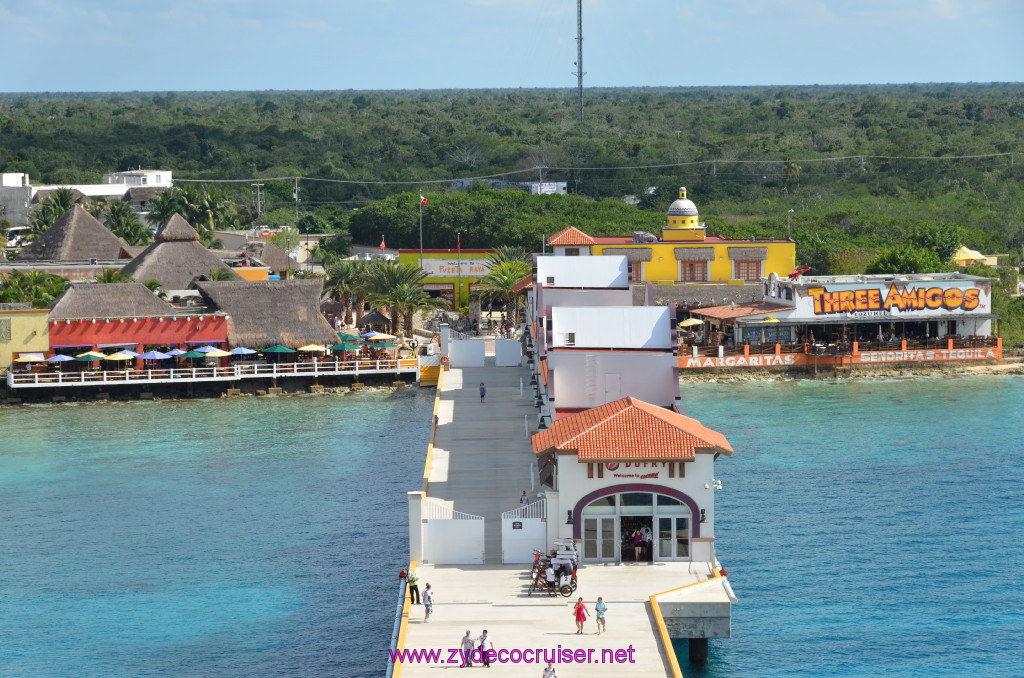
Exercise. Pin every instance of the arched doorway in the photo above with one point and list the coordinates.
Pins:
(636, 523)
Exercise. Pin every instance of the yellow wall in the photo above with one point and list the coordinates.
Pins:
(467, 279)
(664, 265)
(249, 273)
(30, 332)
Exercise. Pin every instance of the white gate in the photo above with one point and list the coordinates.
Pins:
(523, 530)
(451, 537)
(508, 353)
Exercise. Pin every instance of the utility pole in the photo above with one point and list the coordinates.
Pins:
(789, 232)
(295, 194)
(579, 60)
(259, 208)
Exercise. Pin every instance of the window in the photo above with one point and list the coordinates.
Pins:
(570, 339)
(748, 270)
(693, 271)
(551, 280)
(572, 251)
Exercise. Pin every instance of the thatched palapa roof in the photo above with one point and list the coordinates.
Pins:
(268, 312)
(76, 236)
(43, 195)
(108, 300)
(176, 258)
(375, 317)
(271, 256)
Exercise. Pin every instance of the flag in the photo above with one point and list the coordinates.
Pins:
(423, 201)
(381, 246)
(458, 241)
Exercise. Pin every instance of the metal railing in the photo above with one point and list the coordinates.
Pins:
(537, 509)
(435, 509)
(217, 373)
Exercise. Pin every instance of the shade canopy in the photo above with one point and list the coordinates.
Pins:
(217, 353)
(193, 354)
(205, 349)
(59, 358)
(277, 349)
(87, 358)
(313, 348)
(119, 357)
(347, 337)
(345, 346)
(30, 358)
(383, 344)
(370, 334)
(381, 336)
(91, 354)
(241, 350)
(174, 351)
(154, 355)
(690, 322)
(771, 320)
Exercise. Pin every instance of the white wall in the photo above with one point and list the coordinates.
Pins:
(466, 353)
(517, 545)
(588, 297)
(581, 378)
(584, 251)
(453, 542)
(610, 271)
(647, 327)
(508, 353)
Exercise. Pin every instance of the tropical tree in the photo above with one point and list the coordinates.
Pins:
(406, 300)
(97, 207)
(905, 259)
(498, 286)
(343, 278)
(506, 253)
(34, 287)
(220, 275)
(384, 278)
(163, 206)
(125, 224)
(111, 275)
(156, 287)
(207, 211)
(46, 214)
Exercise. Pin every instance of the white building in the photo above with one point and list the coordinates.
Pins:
(18, 195)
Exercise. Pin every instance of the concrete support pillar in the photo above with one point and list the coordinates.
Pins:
(699, 651)
(555, 517)
(694, 352)
(444, 332)
(416, 526)
(721, 351)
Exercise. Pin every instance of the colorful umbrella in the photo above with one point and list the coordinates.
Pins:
(175, 351)
(91, 354)
(347, 337)
(369, 334)
(381, 336)
(242, 350)
(277, 349)
(690, 322)
(771, 320)
(345, 346)
(154, 355)
(119, 357)
(217, 353)
(313, 348)
(193, 354)
(30, 358)
(205, 349)
(59, 358)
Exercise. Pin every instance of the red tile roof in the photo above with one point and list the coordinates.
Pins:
(570, 236)
(615, 240)
(727, 312)
(629, 429)
(523, 285)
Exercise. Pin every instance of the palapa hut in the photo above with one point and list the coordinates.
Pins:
(271, 256)
(76, 236)
(176, 258)
(268, 312)
(108, 300)
(376, 320)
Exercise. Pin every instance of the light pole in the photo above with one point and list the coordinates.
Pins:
(259, 210)
(789, 233)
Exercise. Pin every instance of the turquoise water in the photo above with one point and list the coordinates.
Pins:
(243, 537)
(870, 528)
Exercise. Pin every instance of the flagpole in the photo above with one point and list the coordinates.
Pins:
(421, 232)
(459, 245)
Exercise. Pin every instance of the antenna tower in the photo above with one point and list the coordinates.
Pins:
(579, 60)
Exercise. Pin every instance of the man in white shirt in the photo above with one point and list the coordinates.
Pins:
(550, 672)
(550, 576)
(466, 646)
(486, 646)
(428, 603)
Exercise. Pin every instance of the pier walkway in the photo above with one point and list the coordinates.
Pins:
(482, 462)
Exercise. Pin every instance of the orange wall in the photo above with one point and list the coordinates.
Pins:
(163, 331)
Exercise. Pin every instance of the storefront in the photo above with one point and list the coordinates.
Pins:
(635, 482)
(451, 274)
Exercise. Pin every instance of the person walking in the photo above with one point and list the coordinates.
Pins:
(485, 647)
(414, 589)
(581, 614)
(524, 500)
(600, 608)
(550, 672)
(466, 646)
(428, 603)
(483, 391)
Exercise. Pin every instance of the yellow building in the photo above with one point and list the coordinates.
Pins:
(443, 267)
(23, 330)
(685, 253)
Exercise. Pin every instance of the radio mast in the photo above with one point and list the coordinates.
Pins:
(579, 60)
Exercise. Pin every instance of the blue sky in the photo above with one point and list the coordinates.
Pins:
(118, 45)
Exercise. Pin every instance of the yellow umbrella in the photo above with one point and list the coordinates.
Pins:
(380, 336)
(91, 354)
(119, 356)
(218, 353)
(690, 322)
(30, 358)
(314, 347)
(771, 320)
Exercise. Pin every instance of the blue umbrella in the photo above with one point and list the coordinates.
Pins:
(131, 353)
(174, 351)
(59, 358)
(154, 355)
(205, 349)
(371, 333)
(242, 350)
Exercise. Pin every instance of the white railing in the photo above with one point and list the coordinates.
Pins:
(435, 509)
(537, 509)
(215, 373)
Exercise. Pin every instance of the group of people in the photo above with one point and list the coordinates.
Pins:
(642, 539)
(413, 580)
(581, 614)
(480, 649)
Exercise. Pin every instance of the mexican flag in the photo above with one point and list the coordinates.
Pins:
(381, 246)
(423, 201)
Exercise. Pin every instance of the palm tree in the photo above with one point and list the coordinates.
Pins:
(156, 287)
(163, 206)
(384, 277)
(125, 224)
(34, 287)
(97, 207)
(111, 275)
(342, 281)
(505, 253)
(406, 300)
(499, 284)
(46, 215)
(220, 275)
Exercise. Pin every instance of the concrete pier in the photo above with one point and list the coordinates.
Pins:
(481, 461)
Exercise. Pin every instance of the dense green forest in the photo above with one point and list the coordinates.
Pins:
(859, 166)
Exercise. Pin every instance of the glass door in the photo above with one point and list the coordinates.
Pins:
(673, 538)
(599, 540)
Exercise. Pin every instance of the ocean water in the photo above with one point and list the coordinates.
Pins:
(242, 537)
(870, 528)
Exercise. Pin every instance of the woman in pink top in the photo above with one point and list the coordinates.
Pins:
(580, 612)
